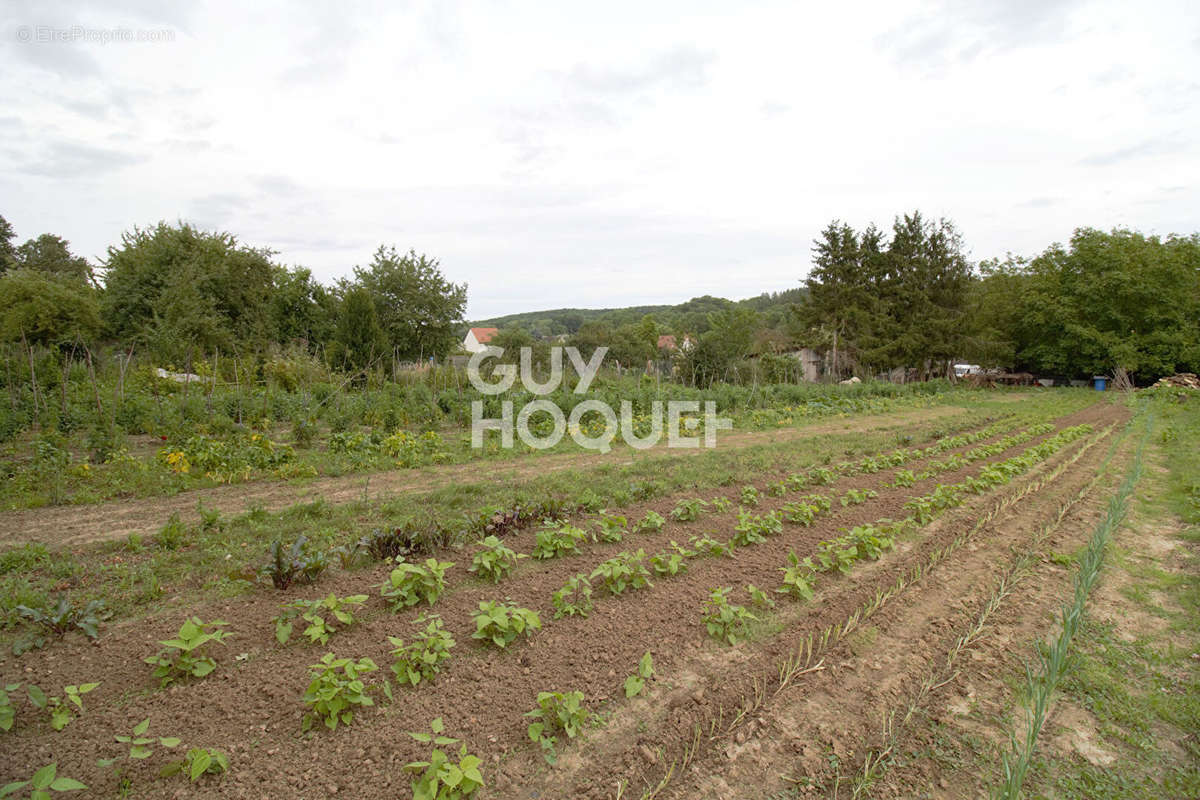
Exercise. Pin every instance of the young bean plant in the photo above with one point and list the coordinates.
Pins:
(574, 598)
(336, 690)
(317, 614)
(409, 584)
(725, 621)
(494, 560)
(182, 656)
(557, 712)
(422, 658)
(441, 778)
(502, 623)
(57, 707)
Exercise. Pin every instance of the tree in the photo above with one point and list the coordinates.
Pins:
(838, 292)
(420, 311)
(1118, 299)
(8, 252)
(52, 254)
(176, 287)
(47, 309)
(301, 308)
(359, 339)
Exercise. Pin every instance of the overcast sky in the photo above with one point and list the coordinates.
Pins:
(598, 154)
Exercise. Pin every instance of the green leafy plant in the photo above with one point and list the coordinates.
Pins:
(725, 621)
(721, 504)
(854, 497)
(58, 619)
(58, 708)
(293, 563)
(336, 690)
(708, 546)
(198, 762)
(688, 510)
(820, 476)
(141, 746)
(903, 478)
(316, 613)
(43, 782)
(652, 522)
(921, 510)
(668, 564)
(623, 571)
(8, 712)
(556, 712)
(637, 681)
(749, 496)
(502, 623)
(611, 527)
(759, 597)
(557, 540)
(754, 529)
(777, 488)
(440, 778)
(409, 584)
(422, 658)
(797, 578)
(494, 560)
(574, 598)
(181, 657)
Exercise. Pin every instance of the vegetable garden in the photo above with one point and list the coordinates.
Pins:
(774, 622)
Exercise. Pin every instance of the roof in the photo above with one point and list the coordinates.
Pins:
(484, 335)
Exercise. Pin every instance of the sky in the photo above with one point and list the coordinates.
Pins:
(596, 154)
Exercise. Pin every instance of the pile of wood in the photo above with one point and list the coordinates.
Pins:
(1184, 380)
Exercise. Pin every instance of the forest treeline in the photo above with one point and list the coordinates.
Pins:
(873, 301)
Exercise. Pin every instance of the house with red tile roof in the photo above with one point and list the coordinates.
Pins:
(477, 339)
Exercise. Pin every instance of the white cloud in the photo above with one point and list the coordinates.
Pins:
(583, 155)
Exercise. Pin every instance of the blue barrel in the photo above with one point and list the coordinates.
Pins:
(1100, 382)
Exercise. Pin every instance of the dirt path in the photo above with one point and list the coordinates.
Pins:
(68, 525)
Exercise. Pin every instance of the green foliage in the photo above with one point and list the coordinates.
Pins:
(47, 309)
(8, 712)
(141, 746)
(708, 546)
(858, 496)
(182, 657)
(759, 597)
(797, 578)
(612, 528)
(418, 309)
(754, 529)
(574, 598)
(668, 564)
(317, 614)
(409, 584)
(637, 681)
(556, 540)
(336, 690)
(494, 560)
(43, 782)
(651, 523)
(422, 658)
(59, 618)
(292, 564)
(904, 477)
(198, 762)
(440, 778)
(749, 496)
(688, 510)
(721, 504)
(57, 707)
(821, 476)
(623, 571)
(725, 621)
(502, 623)
(556, 712)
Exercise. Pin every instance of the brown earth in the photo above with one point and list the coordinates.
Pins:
(250, 706)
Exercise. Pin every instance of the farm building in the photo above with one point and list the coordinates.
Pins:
(477, 339)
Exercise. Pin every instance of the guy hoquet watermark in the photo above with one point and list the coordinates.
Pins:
(50, 34)
(506, 375)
